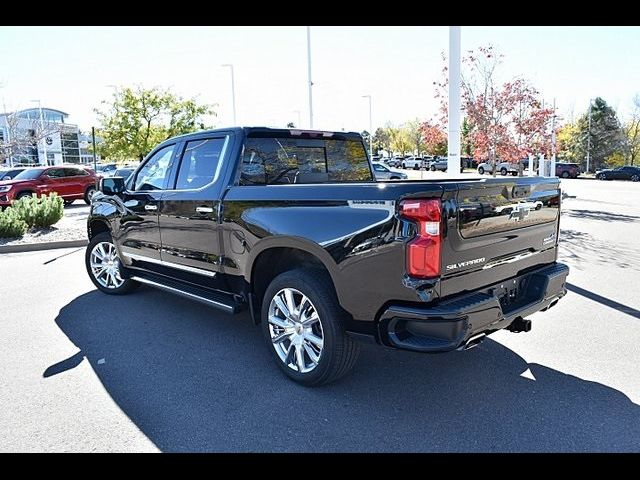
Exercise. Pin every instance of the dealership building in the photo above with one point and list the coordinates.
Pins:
(41, 136)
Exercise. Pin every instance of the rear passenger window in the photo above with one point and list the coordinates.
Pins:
(56, 173)
(74, 172)
(200, 163)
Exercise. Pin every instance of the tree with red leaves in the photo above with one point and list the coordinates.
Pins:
(506, 119)
(434, 138)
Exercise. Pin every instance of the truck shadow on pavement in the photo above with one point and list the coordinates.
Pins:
(193, 379)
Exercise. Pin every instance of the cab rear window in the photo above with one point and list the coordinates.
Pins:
(271, 160)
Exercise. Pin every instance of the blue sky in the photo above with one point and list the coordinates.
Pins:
(71, 68)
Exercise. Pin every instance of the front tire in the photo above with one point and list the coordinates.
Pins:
(303, 326)
(481, 171)
(635, 178)
(404, 166)
(25, 194)
(565, 175)
(89, 193)
(104, 267)
(503, 172)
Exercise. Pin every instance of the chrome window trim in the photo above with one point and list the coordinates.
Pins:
(223, 151)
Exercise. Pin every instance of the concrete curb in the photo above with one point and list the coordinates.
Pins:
(32, 247)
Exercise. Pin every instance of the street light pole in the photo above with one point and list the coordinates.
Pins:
(589, 137)
(233, 92)
(370, 127)
(553, 141)
(310, 81)
(44, 138)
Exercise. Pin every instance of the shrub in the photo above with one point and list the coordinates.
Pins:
(41, 211)
(11, 225)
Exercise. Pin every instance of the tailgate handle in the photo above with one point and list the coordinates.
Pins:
(521, 191)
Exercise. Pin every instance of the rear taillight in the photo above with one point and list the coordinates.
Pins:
(423, 252)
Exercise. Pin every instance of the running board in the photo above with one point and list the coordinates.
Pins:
(223, 302)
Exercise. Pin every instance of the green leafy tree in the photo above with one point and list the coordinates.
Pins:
(606, 136)
(632, 134)
(382, 140)
(400, 141)
(569, 143)
(137, 119)
(413, 130)
(467, 139)
(606, 133)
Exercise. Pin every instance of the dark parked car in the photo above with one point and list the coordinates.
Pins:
(291, 225)
(628, 172)
(123, 172)
(9, 173)
(71, 183)
(567, 170)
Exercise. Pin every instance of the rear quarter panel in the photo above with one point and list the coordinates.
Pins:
(354, 229)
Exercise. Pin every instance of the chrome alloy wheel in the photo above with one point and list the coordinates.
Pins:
(105, 265)
(295, 330)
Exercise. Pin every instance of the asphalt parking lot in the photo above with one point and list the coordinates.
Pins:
(83, 371)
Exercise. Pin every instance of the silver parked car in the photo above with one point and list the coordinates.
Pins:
(387, 173)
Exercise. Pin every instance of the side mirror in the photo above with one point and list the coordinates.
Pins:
(112, 185)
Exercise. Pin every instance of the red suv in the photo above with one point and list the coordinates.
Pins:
(566, 170)
(71, 183)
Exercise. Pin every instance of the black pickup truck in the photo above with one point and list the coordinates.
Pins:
(292, 225)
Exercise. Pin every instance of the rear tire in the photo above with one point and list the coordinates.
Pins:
(565, 175)
(635, 178)
(433, 168)
(314, 353)
(109, 281)
(503, 171)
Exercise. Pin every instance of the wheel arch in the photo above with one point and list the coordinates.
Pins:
(27, 191)
(96, 226)
(277, 255)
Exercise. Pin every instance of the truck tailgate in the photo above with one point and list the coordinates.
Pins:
(496, 229)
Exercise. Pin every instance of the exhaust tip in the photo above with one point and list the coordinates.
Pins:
(473, 342)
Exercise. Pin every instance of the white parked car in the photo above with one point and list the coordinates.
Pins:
(413, 162)
(502, 167)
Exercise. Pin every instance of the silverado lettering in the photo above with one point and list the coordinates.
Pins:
(292, 226)
(465, 264)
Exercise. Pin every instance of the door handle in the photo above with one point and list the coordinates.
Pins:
(204, 209)
(151, 208)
